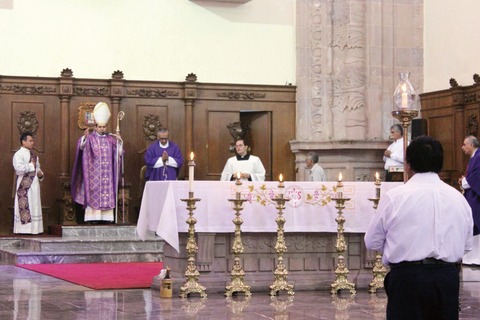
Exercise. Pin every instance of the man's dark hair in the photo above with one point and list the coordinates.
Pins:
(24, 136)
(425, 154)
(245, 142)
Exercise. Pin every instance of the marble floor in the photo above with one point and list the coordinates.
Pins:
(29, 295)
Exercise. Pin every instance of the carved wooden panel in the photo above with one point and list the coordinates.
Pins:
(260, 137)
(218, 143)
(28, 117)
(437, 125)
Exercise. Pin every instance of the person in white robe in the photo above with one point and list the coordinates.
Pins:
(28, 205)
(247, 166)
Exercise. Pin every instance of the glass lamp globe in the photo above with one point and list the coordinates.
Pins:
(405, 97)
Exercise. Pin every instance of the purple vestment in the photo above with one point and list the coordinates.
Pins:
(94, 177)
(166, 172)
(472, 194)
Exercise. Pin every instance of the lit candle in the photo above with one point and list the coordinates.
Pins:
(191, 165)
(404, 97)
(339, 186)
(238, 183)
(377, 185)
(281, 186)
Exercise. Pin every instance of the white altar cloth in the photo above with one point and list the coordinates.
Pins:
(163, 211)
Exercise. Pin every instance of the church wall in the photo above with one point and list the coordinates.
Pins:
(450, 49)
(150, 39)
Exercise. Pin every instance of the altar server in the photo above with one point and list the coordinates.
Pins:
(28, 204)
(248, 166)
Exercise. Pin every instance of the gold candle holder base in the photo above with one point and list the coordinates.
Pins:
(379, 270)
(341, 271)
(237, 274)
(191, 274)
(281, 272)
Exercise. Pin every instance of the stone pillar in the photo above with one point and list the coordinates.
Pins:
(348, 55)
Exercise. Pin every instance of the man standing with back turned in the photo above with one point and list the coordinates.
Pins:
(423, 228)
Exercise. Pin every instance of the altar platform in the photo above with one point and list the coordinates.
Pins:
(310, 231)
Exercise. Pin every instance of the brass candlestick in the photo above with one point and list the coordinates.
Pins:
(405, 116)
(280, 273)
(379, 270)
(341, 272)
(236, 283)
(191, 274)
(377, 184)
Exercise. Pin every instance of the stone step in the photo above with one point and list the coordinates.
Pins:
(101, 231)
(83, 244)
(54, 245)
(27, 257)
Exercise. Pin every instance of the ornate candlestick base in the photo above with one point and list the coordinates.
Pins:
(280, 273)
(236, 283)
(341, 272)
(191, 274)
(379, 270)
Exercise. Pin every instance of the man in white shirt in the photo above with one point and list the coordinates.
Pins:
(316, 171)
(393, 156)
(248, 166)
(423, 228)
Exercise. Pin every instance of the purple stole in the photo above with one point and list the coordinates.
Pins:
(22, 195)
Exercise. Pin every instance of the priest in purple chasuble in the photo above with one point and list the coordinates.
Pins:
(163, 158)
(470, 183)
(28, 205)
(95, 176)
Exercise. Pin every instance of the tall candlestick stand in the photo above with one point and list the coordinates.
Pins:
(236, 283)
(379, 270)
(341, 272)
(280, 273)
(405, 116)
(191, 274)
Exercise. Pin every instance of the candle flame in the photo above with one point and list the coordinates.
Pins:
(377, 176)
(191, 156)
(239, 175)
(280, 178)
(340, 176)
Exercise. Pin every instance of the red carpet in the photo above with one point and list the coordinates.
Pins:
(122, 275)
